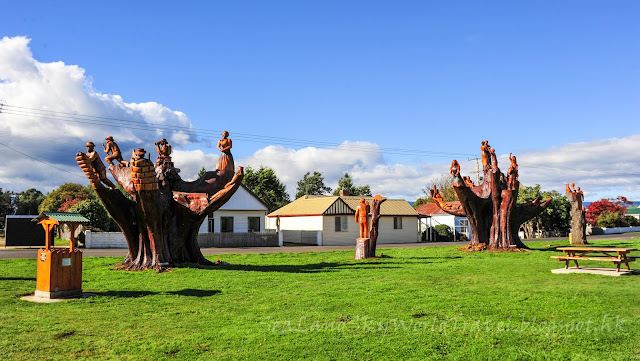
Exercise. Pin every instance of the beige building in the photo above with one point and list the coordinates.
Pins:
(330, 220)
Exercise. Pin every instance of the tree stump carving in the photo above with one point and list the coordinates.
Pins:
(578, 215)
(161, 218)
(491, 208)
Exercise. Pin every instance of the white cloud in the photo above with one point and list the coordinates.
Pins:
(602, 168)
(33, 90)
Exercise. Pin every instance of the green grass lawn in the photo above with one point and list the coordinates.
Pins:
(422, 303)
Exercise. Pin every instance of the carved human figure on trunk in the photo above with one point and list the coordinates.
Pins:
(467, 181)
(225, 162)
(455, 168)
(362, 217)
(112, 148)
(512, 173)
(96, 163)
(484, 153)
(137, 155)
(164, 150)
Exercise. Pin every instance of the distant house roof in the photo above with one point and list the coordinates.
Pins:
(431, 209)
(63, 217)
(635, 210)
(334, 205)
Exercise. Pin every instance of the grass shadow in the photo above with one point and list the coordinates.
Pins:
(137, 294)
(297, 268)
(17, 279)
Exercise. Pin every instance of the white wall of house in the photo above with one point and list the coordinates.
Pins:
(326, 224)
(303, 223)
(408, 233)
(436, 219)
(240, 206)
(240, 220)
(332, 238)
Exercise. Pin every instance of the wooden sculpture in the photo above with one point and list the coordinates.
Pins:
(494, 217)
(161, 218)
(164, 150)
(578, 215)
(113, 151)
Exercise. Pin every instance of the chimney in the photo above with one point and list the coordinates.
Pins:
(344, 193)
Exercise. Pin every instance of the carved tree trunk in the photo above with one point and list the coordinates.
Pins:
(375, 221)
(161, 223)
(578, 220)
(491, 208)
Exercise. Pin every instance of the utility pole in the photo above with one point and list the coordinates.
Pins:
(477, 171)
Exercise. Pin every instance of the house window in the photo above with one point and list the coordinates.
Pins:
(341, 224)
(226, 224)
(397, 222)
(464, 227)
(254, 224)
(210, 224)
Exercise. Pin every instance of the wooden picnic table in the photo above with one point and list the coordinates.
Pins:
(616, 255)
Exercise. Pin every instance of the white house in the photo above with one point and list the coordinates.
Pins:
(431, 215)
(330, 220)
(243, 212)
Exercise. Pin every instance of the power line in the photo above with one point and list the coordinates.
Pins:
(260, 138)
(41, 161)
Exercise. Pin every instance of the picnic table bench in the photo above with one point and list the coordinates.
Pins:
(615, 255)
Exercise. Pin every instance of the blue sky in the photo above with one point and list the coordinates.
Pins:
(535, 78)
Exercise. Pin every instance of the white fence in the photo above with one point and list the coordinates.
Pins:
(104, 240)
(614, 230)
(262, 239)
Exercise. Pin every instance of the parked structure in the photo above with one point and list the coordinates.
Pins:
(329, 220)
(431, 215)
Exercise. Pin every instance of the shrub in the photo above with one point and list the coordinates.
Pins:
(94, 211)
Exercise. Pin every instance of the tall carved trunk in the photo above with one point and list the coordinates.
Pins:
(491, 207)
(578, 219)
(161, 218)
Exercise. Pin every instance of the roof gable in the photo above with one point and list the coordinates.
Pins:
(244, 199)
(329, 205)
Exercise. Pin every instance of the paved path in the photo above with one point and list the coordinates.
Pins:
(15, 252)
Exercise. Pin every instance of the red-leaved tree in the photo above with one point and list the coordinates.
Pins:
(612, 205)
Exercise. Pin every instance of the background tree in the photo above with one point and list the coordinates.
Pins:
(28, 201)
(345, 183)
(312, 185)
(202, 172)
(612, 210)
(419, 202)
(443, 182)
(556, 218)
(95, 212)
(5, 206)
(65, 193)
(265, 184)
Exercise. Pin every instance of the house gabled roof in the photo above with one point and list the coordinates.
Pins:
(389, 207)
(326, 205)
(431, 209)
(307, 206)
